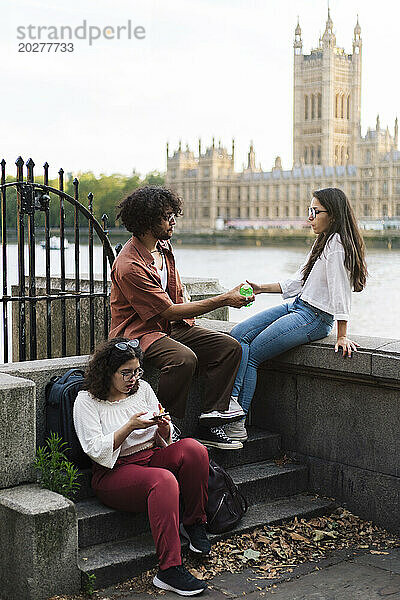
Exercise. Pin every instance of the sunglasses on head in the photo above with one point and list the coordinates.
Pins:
(123, 346)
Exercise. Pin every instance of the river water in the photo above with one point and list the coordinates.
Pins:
(375, 311)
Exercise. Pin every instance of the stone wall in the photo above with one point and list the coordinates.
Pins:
(196, 288)
(341, 416)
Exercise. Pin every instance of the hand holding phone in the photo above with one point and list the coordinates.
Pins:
(159, 416)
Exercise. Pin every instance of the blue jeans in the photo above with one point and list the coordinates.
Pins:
(270, 333)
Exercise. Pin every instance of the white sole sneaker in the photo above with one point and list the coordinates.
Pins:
(216, 418)
(235, 445)
(165, 586)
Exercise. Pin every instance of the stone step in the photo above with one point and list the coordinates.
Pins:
(120, 560)
(258, 482)
(260, 446)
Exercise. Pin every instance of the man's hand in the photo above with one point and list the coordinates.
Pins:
(235, 299)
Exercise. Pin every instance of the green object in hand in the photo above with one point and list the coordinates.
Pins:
(246, 290)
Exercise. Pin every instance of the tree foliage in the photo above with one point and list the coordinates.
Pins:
(107, 190)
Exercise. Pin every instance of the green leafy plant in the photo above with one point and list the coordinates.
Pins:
(88, 586)
(56, 472)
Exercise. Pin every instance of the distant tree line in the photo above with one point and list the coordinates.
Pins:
(107, 190)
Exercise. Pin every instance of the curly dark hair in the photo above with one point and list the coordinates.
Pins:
(145, 208)
(104, 363)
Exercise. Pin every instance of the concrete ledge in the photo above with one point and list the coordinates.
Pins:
(40, 372)
(38, 544)
(17, 430)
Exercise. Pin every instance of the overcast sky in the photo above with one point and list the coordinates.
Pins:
(204, 68)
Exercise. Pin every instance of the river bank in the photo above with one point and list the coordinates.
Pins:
(276, 237)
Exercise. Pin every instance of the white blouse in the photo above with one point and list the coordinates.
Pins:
(328, 285)
(96, 421)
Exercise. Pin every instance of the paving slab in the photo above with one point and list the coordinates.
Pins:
(388, 560)
(349, 574)
(346, 581)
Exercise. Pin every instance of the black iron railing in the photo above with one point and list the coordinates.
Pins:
(34, 198)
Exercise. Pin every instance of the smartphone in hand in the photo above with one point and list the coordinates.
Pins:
(158, 417)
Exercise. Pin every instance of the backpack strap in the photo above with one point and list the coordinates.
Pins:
(69, 374)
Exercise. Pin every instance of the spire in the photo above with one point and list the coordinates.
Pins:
(251, 158)
(297, 44)
(329, 22)
(213, 143)
(328, 38)
(167, 150)
(233, 149)
(396, 132)
(357, 43)
(378, 123)
(357, 28)
(180, 146)
(199, 147)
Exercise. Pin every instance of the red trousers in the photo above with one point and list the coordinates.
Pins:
(153, 479)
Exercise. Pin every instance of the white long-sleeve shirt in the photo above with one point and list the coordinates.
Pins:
(328, 285)
(96, 421)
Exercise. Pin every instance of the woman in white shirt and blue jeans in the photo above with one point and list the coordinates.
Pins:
(322, 291)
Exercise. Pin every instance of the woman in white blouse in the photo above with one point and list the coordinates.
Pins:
(136, 467)
(322, 290)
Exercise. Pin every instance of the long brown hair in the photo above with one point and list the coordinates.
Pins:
(344, 223)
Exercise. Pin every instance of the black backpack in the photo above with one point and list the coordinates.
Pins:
(226, 505)
(60, 397)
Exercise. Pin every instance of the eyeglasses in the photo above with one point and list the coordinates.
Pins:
(170, 217)
(123, 346)
(128, 375)
(313, 212)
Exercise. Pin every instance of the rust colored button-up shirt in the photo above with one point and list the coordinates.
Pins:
(137, 298)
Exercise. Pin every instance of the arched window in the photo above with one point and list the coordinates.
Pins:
(319, 155)
(336, 154)
(348, 107)
(337, 106)
(342, 155)
(342, 106)
(306, 107)
(319, 105)
(312, 155)
(306, 155)
(312, 106)
(348, 154)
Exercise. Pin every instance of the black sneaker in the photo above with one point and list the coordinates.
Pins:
(215, 437)
(198, 540)
(179, 580)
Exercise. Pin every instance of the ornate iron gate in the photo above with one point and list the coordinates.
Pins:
(33, 198)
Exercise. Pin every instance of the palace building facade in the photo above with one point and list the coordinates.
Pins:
(328, 151)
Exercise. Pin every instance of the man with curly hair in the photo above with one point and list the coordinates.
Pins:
(147, 302)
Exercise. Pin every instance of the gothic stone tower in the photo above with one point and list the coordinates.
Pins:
(327, 100)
